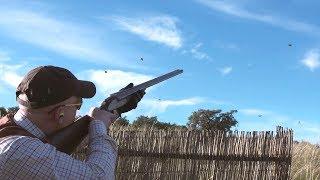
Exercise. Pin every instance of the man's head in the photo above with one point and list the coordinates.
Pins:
(48, 85)
(53, 93)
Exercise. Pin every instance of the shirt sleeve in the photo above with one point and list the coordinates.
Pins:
(29, 158)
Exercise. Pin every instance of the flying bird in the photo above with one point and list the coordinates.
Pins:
(141, 59)
(289, 45)
(260, 115)
(105, 71)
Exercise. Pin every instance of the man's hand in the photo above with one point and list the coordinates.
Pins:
(132, 100)
(106, 117)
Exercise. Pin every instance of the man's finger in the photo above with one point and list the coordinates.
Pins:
(130, 85)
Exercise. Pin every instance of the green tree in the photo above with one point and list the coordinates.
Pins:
(122, 121)
(166, 126)
(3, 111)
(212, 120)
(153, 122)
(145, 121)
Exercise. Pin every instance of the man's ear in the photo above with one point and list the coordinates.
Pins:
(58, 113)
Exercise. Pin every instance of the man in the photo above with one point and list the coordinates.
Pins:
(48, 98)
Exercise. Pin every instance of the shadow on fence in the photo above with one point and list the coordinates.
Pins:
(186, 154)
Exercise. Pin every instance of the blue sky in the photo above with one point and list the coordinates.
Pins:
(234, 55)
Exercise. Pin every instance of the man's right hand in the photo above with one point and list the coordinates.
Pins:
(131, 100)
(106, 117)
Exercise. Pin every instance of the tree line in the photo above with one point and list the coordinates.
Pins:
(202, 119)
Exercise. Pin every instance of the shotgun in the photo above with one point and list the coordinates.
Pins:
(67, 139)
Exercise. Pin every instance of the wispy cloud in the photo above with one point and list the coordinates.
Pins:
(254, 112)
(63, 37)
(161, 29)
(4, 56)
(311, 59)
(162, 105)
(309, 130)
(226, 70)
(218, 102)
(232, 9)
(196, 53)
(275, 118)
(9, 74)
(228, 46)
(113, 80)
(313, 129)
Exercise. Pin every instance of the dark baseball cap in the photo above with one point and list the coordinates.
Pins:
(48, 85)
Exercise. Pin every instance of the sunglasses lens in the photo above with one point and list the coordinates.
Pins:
(80, 104)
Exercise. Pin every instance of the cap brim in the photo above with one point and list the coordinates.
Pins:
(85, 89)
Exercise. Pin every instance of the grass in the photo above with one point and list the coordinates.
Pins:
(305, 161)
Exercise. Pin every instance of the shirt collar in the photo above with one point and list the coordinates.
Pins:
(21, 120)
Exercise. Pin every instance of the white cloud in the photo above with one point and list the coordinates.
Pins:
(275, 118)
(4, 56)
(161, 29)
(113, 80)
(311, 59)
(229, 46)
(254, 112)
(309, 131)
(225, 70)
(304, 129)
(162, 105)
(9, 74)
(62, 37)
(198, 54)
(218, 102)
(313, 129)
(234, 10)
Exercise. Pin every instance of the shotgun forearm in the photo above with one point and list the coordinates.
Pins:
(67, 139)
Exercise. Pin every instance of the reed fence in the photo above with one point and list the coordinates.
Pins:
(192, 154)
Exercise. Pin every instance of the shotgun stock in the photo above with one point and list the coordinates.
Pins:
(67, 139)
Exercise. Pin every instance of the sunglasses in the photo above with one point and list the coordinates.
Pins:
(77, 105)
